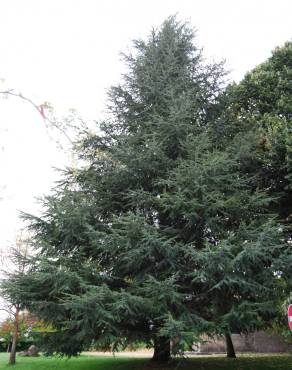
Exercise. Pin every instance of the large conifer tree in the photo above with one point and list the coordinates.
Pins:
(157, 236)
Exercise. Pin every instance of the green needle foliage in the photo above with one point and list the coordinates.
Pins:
(159, 236)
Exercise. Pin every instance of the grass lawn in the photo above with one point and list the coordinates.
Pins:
(256, 362)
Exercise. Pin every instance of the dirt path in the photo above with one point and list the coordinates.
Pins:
(137, 354)
(146, 353)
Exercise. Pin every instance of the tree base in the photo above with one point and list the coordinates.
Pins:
(229, 346)
(161, 350)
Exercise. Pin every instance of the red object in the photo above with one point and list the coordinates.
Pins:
(41, 110)
(290, 316)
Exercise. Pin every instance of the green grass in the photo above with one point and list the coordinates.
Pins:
(79, 363)
(257, 362)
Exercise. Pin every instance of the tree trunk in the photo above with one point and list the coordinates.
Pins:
(229, 346)
(12, 357)
(161, 349)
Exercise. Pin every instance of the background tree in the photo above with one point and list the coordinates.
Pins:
(255, 118)
(29, 329)
(257, 112)
(15, 262)
(159, 225)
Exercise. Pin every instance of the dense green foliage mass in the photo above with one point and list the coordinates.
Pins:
(160, 234)
(258, 112)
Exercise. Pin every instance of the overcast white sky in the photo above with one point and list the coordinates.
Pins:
(67, 52)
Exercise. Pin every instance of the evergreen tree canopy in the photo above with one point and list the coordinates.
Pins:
(158, 235)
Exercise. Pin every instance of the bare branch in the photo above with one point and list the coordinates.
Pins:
(41, 110)
(6, 310)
